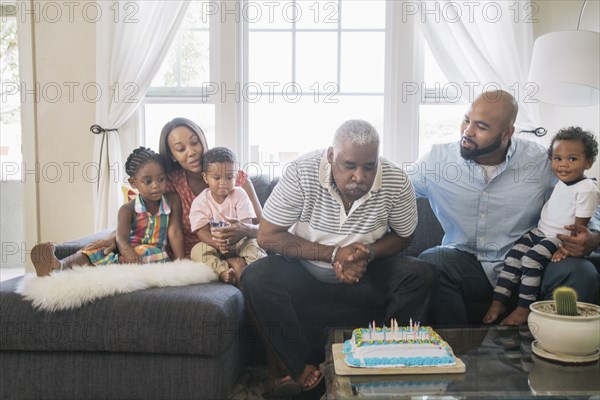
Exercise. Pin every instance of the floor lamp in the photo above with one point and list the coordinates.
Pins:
(566, 67)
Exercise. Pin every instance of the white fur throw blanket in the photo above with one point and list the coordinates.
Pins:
(63, 290)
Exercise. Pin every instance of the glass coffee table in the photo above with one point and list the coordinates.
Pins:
(499, 364)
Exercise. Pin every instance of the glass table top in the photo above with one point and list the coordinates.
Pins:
(499, 364)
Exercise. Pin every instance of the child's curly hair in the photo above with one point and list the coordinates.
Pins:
(590, 145)
(140, 157)
(219, 155)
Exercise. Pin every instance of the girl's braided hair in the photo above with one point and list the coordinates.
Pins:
(140, 157)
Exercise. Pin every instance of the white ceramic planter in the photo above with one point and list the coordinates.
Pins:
(560, 334)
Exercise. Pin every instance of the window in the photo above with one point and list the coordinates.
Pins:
(309, 66)
(181, 86)
(440, 112)
(13, 231)
(275, 79)
(10, 110)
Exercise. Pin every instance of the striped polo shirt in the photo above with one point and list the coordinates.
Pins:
(306, 201)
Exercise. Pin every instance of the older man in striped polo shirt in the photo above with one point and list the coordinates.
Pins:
(335, 224)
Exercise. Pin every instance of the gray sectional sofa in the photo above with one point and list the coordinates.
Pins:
(160, 343)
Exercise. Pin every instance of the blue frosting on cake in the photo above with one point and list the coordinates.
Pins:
(418, 361)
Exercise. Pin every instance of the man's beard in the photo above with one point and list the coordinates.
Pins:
(476, 151)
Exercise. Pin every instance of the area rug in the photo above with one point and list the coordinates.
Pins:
(63, 290)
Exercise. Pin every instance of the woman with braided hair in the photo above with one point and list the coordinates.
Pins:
(145, 224)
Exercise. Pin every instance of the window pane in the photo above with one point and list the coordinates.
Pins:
(363, 62)
(195, 68)
(439, 124)
(187, 63)
(282, 130)
(322, 14)
(158, 114)
(432, 72)
(270, 58)
(268, 14)
(10, 109)
(168, 73)
(316, 59)
(363, 14)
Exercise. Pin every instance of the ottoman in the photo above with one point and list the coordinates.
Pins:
(159, 343)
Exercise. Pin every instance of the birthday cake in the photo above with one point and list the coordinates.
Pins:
(397, 346)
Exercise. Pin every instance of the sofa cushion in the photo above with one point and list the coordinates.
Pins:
(429, 232)
(197, 319)
(65, 249)
(263, 187)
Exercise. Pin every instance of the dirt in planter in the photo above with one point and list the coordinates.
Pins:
(582, 310)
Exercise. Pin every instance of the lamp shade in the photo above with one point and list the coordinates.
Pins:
(566, 67)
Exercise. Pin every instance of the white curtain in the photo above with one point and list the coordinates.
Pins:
(485, 45)
(132, 39)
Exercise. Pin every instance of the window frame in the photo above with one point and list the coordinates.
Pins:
(29, 143)
(400, 112)
(229, 69)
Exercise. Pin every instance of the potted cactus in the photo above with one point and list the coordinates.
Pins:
(565, 328)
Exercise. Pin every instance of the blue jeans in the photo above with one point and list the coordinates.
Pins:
(578, 273)
(463, 282)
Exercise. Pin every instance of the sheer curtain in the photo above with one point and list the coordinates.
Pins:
(132, 39)
(485, 45)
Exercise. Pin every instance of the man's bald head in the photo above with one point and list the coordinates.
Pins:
(503, 102)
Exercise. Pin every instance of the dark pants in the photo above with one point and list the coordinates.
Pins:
(279, 290)
(463, 283)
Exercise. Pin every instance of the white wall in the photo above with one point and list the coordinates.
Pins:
(63, 62)
(563, 15)
(12, 234)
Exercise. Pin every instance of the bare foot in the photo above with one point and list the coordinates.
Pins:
(496, 309)
(44, 260)
(310, 377)
(237, 264)
(227, 276)
(517, 317)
